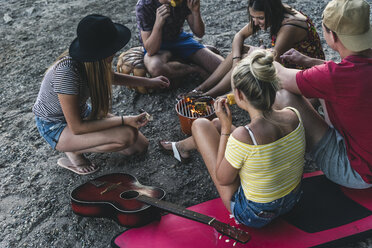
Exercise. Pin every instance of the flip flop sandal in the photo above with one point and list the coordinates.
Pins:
(66, 163)
(176, 154)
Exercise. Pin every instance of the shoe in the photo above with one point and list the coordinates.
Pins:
(176, 154)
(83, 169)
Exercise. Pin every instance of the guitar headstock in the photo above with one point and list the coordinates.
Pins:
(230, 231)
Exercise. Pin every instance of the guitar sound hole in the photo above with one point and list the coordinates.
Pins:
(129, 194)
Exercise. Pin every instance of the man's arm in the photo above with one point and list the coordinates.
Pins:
(195, 20)
(295, 57)
(287, 78)
(152, 39)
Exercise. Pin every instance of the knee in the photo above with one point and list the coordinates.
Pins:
(143, 144)
(128, 136)
(157, 69)
(200, 125)
(216, 122)
(157, 66)
(137, 142)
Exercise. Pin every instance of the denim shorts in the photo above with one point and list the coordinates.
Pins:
(255, 214)
(51, 131)
(183, 47)
(331, 157)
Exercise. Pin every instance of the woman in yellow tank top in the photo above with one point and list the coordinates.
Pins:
(257, 168)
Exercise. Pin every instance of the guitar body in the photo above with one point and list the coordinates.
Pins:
(114, 196)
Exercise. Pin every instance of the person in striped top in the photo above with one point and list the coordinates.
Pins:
(63, 117)
(256, 168)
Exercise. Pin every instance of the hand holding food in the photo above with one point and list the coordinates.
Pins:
(147, 115)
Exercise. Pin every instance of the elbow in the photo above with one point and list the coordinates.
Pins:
(149, 53)
(148, 49)
(200, 34)
(221, 180)
(76, 129)
(223, 183)
(236, 37)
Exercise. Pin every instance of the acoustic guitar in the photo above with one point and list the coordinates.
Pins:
(122, 198)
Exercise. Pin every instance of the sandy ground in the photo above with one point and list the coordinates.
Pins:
(35, 206)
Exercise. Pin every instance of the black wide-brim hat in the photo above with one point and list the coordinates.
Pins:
(98, 38)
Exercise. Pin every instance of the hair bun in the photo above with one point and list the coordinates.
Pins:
(262, 66)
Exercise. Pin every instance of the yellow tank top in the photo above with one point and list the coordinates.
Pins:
(270, 171)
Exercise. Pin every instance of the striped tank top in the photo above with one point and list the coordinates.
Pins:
(270, 171)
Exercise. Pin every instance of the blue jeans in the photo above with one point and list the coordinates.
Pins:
(255, 214)
(183, 47)
(331, 157)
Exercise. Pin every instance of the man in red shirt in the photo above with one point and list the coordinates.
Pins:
(341, 145)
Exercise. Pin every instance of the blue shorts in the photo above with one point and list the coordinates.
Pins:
(255, 214)
(51, 131)
(183, 47)
(331, 157)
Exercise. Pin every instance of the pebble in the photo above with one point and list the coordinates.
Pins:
(30, 10)
(7, 18)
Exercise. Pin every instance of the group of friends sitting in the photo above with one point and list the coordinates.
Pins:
(257, 168)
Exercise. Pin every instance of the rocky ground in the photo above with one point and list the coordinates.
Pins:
(35, 205)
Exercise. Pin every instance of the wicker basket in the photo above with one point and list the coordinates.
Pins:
(131, 63)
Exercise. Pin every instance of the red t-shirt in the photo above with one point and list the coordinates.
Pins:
(346, 88)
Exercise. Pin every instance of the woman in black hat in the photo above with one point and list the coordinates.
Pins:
(62, 114)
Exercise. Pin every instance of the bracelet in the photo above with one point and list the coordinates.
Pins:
(227, 134)
(237, 57)
(122, 120)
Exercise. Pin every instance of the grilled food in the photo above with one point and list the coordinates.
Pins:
(175, 3)
(149, 117)
(230, 99)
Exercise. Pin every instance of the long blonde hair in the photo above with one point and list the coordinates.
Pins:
(98, 76)
(255, 76)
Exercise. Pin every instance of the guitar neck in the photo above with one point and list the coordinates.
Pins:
(175, 209)
(221, 227)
